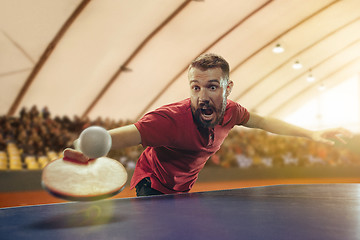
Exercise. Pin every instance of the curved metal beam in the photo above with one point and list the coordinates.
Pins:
(123, 67)
(272, 42)
(172, 81)
(46, 54)
(313, 67)
(287, 102)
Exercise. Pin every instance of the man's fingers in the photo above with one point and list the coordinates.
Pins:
(75, 155)
(340, 139)
(346, 133)
(338, 134)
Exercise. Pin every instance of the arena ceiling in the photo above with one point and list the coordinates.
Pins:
(120, 59)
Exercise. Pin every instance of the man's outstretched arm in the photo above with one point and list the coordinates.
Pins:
(280, 127)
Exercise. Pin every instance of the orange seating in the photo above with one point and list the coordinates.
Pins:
(43, 161)
(31, 163)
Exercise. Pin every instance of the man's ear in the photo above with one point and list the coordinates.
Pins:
(229, 88)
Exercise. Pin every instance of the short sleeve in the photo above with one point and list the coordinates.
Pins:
(235, 114)
(242, 115)
(157, 128)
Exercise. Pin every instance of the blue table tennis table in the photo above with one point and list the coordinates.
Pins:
(319, 211)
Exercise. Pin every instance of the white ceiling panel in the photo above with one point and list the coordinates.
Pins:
(120, 59)
(336, 63)
(341, 74)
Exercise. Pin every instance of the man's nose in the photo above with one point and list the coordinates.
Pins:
(203, 96)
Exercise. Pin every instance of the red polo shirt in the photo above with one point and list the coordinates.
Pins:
(177, 149)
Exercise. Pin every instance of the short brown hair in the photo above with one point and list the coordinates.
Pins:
(210, 60)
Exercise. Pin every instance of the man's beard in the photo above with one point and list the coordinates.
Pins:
(218, 113)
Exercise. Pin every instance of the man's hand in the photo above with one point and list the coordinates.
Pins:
(75, 155)
(330, 135)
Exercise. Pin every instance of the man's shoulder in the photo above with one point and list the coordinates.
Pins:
(236, 113)
(231, 104)
(175, 111)
(176, 107)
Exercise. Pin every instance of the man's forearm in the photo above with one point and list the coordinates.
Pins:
(280, 127)
(126, 136)
(277, 126)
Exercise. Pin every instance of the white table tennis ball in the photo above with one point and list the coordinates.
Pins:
(95, 142)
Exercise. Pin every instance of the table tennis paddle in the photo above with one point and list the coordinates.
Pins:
(95, 179)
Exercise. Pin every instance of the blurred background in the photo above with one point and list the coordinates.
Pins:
(66, 65)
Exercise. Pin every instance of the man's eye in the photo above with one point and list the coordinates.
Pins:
(213, 87)
(195, 88)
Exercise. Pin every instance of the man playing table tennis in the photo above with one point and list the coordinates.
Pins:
(181, 137)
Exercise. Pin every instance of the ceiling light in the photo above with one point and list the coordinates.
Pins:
(310, 77)
(321, 87)
(297, 65)
(278, 49)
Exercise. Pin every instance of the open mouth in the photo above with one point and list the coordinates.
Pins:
(207, 114)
